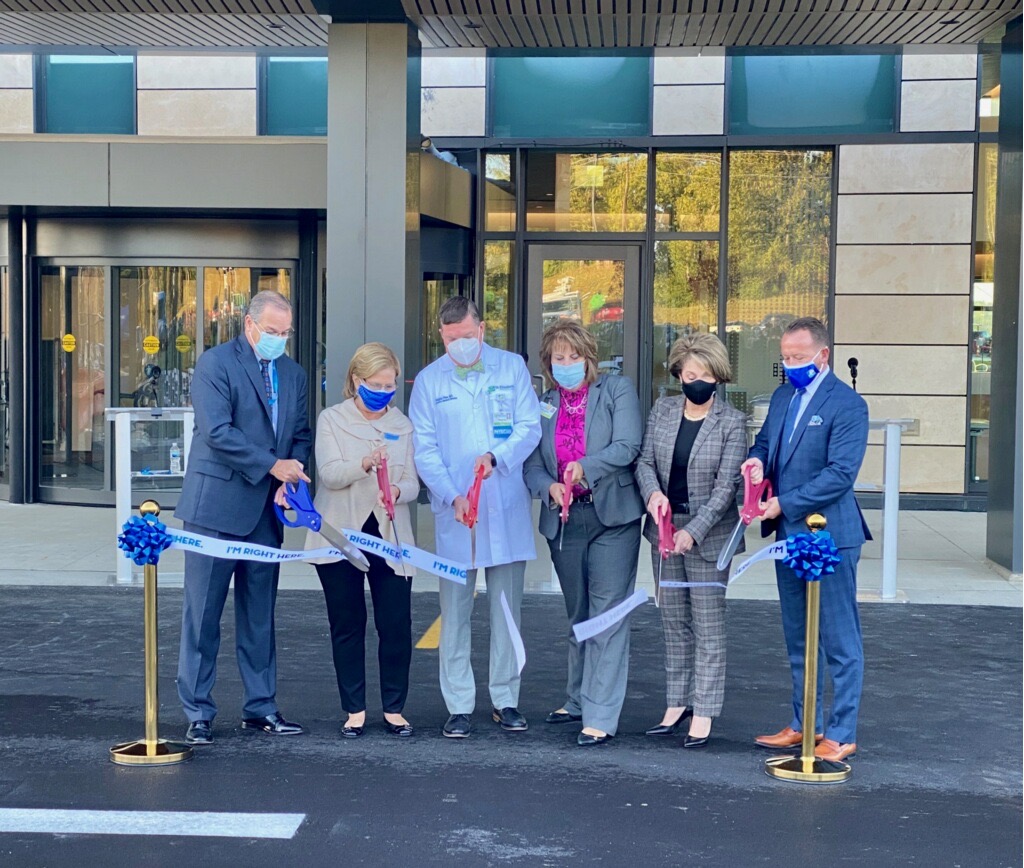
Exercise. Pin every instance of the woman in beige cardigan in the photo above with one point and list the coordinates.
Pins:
(351, 439)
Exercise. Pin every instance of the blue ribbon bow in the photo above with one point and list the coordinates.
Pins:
(811, 555)
(143, 538)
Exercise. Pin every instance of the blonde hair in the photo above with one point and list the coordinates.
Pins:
(366, 361)
(571, 333)
(707, 350)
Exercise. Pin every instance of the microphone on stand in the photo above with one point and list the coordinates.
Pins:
(853, 371)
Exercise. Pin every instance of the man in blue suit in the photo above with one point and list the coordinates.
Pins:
(811, 447)
(251, 436)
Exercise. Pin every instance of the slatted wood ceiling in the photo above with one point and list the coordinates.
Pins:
(511, 23)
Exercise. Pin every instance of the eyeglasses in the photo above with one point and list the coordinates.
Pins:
(275, 334)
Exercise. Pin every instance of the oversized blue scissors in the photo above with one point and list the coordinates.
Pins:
(301, 503)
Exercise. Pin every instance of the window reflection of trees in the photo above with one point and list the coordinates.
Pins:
(587, 192)
(779, 229)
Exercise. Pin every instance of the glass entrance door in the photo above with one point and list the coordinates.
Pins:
(597, 284)
(73, 376)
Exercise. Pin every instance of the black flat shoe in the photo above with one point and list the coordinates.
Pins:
(584, 740)
(351, 731)
(199, 732)
(693, 741)
(273, 724)
(402, 730)
(661, 729)
(563, 717)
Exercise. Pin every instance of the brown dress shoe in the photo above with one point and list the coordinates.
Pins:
(787, 737)
(834, 751)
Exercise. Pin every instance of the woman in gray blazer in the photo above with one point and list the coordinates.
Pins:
(690, 465)
(591, 430)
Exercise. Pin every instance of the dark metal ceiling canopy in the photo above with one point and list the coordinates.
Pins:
(540, 24)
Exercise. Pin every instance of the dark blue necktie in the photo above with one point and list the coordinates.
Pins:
(267, 385)
(791, 417)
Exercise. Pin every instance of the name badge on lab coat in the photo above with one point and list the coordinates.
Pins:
(500, 400)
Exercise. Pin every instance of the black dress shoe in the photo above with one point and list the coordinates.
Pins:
(458, 726)
(273, 724)
(661, 729)
(563, 717)
(199, 732)
(510, 719)
(402, 730)
(693, 741)
(584, 740)
(351, 731)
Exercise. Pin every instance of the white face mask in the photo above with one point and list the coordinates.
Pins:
(464, 351)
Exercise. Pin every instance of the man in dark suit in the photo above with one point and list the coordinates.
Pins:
(251, 436)
(811, 447)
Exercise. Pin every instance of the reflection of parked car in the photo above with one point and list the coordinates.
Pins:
(773, 325)
(611, 312)
(560, 305)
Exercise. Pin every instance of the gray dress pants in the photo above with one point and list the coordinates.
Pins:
(458, 685)
(596, 568)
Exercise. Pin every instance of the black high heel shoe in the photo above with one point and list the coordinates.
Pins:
(692, 741)
(662, 729)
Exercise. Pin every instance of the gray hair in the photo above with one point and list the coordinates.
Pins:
(456, 309)
(266, 298)
(818, 330)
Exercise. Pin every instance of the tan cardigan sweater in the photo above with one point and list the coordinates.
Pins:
(346, 494)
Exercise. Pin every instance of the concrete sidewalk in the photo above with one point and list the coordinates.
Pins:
(941, 557)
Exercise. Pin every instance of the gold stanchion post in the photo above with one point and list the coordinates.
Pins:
(152, 750)
(807, 768)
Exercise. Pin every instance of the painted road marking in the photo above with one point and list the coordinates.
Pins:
(432, 637)
(175, 823)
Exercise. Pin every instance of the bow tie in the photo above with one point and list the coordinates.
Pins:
(462, 372)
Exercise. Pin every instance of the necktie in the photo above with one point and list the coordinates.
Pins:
(792, 413)
(267, 385)
(462, 372)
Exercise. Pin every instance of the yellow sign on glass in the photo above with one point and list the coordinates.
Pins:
(183, 343)
(151, 344)
(68, 343)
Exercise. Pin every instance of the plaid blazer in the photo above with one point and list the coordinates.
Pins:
(712, 474)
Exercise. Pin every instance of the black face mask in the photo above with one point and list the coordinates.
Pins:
(699, 391)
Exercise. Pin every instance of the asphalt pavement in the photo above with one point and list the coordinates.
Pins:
(937, 781)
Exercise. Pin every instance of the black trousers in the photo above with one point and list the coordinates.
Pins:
(346, 611)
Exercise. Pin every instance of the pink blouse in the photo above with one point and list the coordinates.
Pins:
(570, 432)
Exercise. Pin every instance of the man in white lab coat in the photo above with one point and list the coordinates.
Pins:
(475, 406)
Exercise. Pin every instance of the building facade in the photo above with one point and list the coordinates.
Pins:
(649, 191)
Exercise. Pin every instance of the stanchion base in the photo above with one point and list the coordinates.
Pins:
(807, 771)
(150, 753)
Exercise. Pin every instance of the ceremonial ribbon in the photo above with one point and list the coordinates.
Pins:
(590, 628)
(809, 556)
(513, 630)
(143, 539)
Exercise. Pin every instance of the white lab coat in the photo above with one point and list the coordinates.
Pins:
(454, 422)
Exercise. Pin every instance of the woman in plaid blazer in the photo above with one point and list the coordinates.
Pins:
(690, 464)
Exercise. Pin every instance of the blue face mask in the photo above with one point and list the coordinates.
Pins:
(269, 347)
(801, 376)
(569, 376)
(373, 400)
